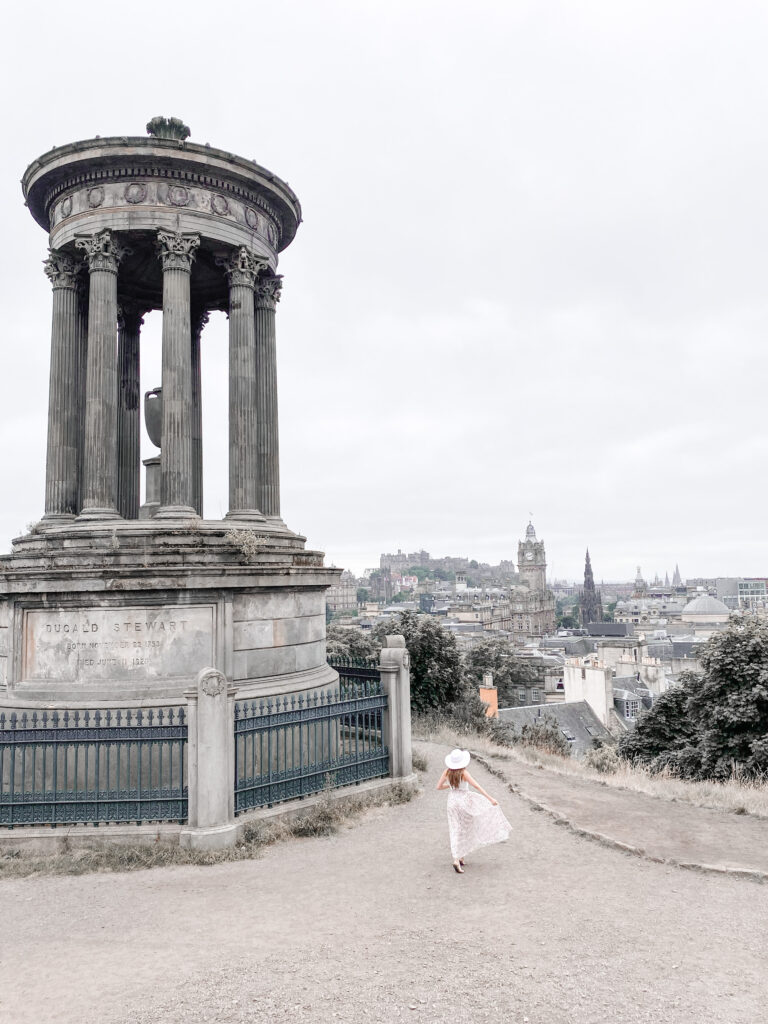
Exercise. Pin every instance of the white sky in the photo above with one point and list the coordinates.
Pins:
(532, 274)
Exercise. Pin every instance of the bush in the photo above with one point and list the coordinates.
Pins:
(602, 759)
(544, 734)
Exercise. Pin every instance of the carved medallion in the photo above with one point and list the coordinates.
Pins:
(219, 205)
(272, 235)
(135, 192)
(251, 218)
(66, 207)
(178, 195)
(213, 683)
(95, 196)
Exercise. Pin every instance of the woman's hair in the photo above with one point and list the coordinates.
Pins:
(455, 775)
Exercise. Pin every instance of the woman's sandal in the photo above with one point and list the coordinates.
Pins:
(458, 868)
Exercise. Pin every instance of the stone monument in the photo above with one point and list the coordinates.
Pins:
(99, 604)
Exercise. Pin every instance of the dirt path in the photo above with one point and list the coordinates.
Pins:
(663, 830)
(373, 925)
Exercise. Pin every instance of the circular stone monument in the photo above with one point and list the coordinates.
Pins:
(105, 601)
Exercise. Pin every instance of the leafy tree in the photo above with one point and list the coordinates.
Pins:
(665, 736)
(713, 725)
(509, 671)
(437, 680)
(730, 706)
(363, 595)
(350, 643)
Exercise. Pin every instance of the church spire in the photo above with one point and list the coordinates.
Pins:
(590, 600)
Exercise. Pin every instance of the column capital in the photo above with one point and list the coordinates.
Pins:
(200, 318)
(130, 314)
(62, 269)
(102, 251)
(176, 251)
(268, 289)
(242, 266)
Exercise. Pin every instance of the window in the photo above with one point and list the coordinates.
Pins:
(535, 696)
(521, 695)
(631, 708)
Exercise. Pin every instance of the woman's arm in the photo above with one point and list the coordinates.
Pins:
(479, 788)
(443, 783)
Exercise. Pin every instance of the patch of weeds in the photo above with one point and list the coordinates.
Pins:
(420, 763)
(248, 543)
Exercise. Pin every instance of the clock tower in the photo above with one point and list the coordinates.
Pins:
(532, 562)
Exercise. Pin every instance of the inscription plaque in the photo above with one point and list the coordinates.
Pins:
(137, 644)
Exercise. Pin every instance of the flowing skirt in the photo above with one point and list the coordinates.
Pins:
(473, 822)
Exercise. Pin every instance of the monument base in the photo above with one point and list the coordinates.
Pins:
(127, 612)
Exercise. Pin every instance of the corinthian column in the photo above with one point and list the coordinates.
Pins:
(241, 267)
(176, 252)
(62, 469)
(129, 323)
(267, 441)
(103, 255)
(199, 320)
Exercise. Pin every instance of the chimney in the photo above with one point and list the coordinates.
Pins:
(489, 695)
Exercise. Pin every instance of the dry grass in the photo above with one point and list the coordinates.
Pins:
(324, 819)
(737, 796)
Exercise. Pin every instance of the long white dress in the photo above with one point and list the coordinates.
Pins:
(473, 821)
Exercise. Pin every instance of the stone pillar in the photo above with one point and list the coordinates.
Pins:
(103, 254)
(62, 481)
(394, 665)
(267, 441)
(176, 253)
(82, 374)
(211, 764)
(199, 320)
(241, 268)
(129, 323)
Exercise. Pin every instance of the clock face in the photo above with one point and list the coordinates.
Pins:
(529, 556)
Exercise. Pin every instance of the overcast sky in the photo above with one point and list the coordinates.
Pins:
(532, 276)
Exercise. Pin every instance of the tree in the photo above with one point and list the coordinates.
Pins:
(715, 724)
(363, 595)
(665, 736)
(437, 680)
(350, 642)
(509, 671)
(730, 706)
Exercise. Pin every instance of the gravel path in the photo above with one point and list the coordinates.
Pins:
(373, 925)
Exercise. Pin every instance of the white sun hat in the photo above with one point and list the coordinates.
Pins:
(457, 759)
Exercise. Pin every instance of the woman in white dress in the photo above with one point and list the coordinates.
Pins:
(474, 819)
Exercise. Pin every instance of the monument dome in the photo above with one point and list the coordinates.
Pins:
(706, 609)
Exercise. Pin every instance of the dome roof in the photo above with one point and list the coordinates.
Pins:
(706, 606)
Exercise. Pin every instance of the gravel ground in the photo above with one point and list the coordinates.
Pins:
(373, 925)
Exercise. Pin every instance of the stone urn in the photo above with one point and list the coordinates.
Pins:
(153, 415)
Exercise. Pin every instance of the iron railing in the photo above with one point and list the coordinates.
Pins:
(289, 747)
(353, 672)
(71, 767)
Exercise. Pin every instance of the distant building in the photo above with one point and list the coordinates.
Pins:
(342, 596)
(533, 604)
(590, 601)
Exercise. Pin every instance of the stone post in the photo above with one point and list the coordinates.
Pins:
(176, 252)
(199, 320)
(103, 255)
(62, 478)
(394, 665)
(129, 324)
(241, 268)
(267, 439)
(210, 764)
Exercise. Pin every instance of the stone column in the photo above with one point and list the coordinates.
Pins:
(267, 441)
(199, 320)
(176, 253)
(103, 254)
(129, 323)
(394, 664)
(211, 764)
(241, 268)
(82, 374)
(62, 463)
